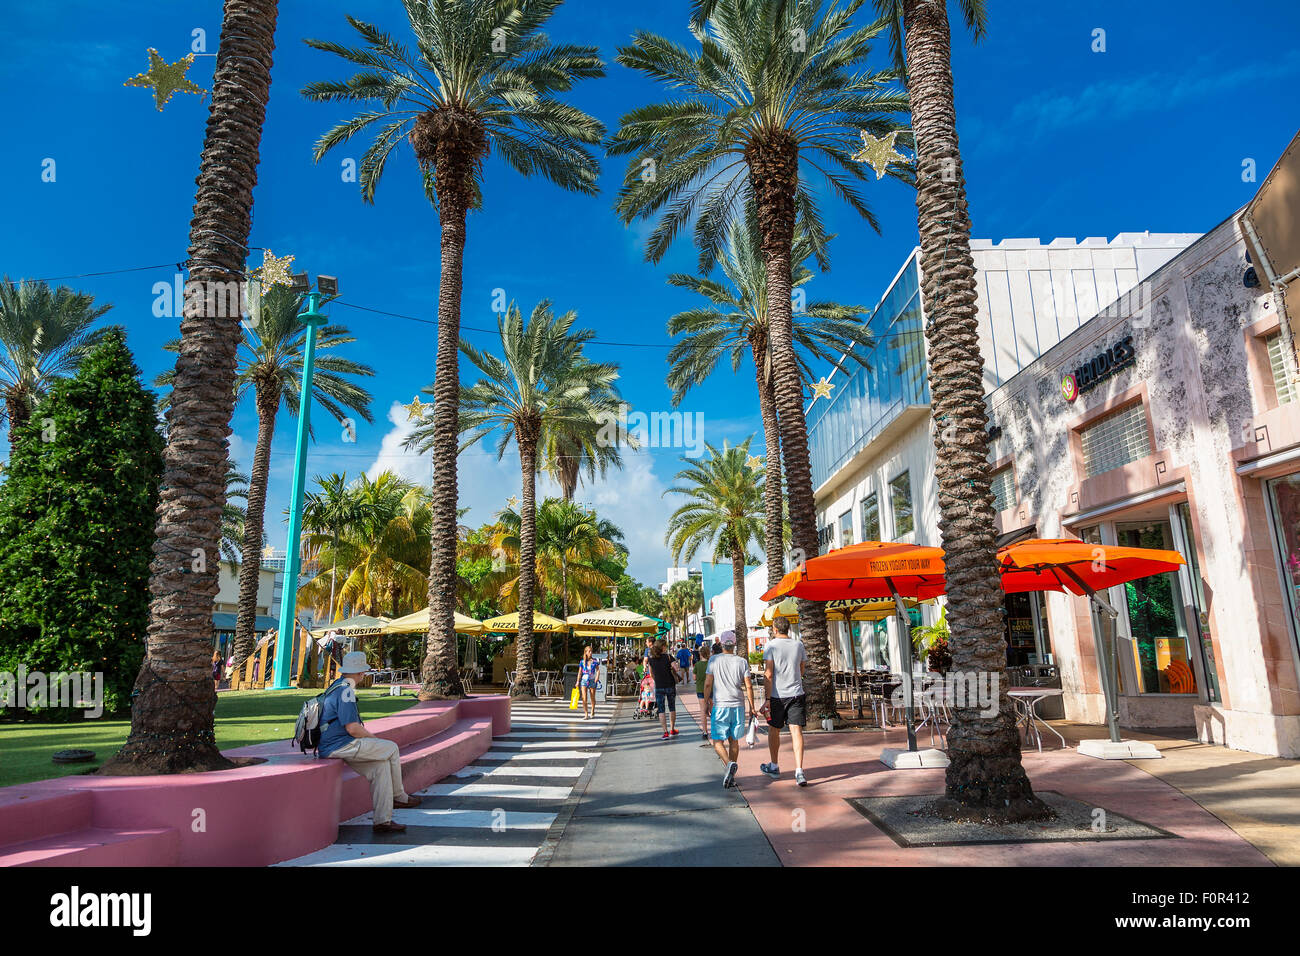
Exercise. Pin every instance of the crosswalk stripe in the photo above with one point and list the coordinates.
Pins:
(507, 770)
(496, 790)
(468, 819)
(379, 854)
(584, 756)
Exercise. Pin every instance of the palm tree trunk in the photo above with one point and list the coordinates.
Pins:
(268, 402)
(18, 412)
(334, 568)
(773, 536)
(774, 174)
(527, 566)
(172, 715)
(738, 601)
(441, 677)
(985, 777)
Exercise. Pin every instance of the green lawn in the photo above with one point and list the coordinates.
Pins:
(243, 718)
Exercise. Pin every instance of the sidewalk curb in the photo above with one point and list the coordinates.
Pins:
(555, 832)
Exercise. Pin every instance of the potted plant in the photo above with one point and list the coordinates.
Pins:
(931, 643)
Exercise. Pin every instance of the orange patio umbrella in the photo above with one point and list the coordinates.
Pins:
(872, 569)
(1068, 564)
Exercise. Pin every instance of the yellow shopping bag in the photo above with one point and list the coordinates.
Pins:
(573, 699)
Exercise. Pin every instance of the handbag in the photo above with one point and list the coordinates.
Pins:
(751, 738)
(573, 699)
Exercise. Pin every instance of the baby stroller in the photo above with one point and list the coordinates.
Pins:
(646, 707)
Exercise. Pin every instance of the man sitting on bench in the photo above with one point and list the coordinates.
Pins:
(344, 736)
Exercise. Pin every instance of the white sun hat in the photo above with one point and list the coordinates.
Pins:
(354, 662)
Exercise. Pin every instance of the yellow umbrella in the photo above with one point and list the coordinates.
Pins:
(419, 622)
(788, 609)
(509, 624)
(613, 620)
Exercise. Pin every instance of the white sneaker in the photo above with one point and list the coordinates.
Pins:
(729, 778)
(800, 779)
(771, 769)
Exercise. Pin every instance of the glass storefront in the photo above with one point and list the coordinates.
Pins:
(1157, 628)
(1284, 499)
(1028, 635)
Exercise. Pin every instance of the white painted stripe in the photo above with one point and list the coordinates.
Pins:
(595, 725)
(505, 770)
(495, 790)
(511, 755)
(544, 745)
(469, 819)
(560, 734)
(385, 854)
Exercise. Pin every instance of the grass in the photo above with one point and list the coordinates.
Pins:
(243, 718)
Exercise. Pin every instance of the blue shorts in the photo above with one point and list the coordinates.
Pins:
(727, 722)
(669, 695)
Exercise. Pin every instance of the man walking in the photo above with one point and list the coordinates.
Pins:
(783, 663)
(727, 686)
(345, 737)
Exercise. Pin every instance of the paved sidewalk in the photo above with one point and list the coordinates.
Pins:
(816, 826)
(653, 802)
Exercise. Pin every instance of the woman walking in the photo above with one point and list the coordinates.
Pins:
(667, 675)
(588, 672)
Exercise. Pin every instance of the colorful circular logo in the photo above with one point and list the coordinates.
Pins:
(1069, 388)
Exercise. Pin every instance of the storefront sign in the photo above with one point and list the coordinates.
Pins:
(1091, 373)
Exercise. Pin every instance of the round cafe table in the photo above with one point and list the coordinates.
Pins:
(1026, 702)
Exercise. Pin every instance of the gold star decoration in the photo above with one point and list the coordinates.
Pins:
(415, 410)
(166, 78)
(753, 462)
(512, 501)
(879, 154)
(822, 389)
(273, 271)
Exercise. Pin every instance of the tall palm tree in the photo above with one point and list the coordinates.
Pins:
(724, 511)
(270, 368)
(778, 90)
(172, 715)
(383, 556)
(232, 515)
(543, 384)
(736, 321)
(44, 334)
(482, 76)
(984, 776)
(327, 515)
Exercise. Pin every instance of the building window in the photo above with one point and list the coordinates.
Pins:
(900, 491)
(1003, 486)
(1115, 440)
(846, 529)
(1286, 391)
(870, 518)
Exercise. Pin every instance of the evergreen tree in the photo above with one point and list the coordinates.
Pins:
(77, 512)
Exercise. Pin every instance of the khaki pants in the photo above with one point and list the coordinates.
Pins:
(378, 761)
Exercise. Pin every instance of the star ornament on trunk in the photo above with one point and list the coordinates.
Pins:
(166, 78)
(273, 271)
(415, 410)
(512, 501)
(753, 462)
(879, 154)
(822, 389)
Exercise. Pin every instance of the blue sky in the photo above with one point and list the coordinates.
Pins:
(1057, 140)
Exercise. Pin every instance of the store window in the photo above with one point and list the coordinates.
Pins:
(846, 528)
(1003, 486)
(1285, 390)
(870, 518)
(1115, 440)
(900, 493)
(1161, 645)
(1284, 497)
(878, 635)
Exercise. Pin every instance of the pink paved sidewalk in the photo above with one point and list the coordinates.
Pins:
(847, 764)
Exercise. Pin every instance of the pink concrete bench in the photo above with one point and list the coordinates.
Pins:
(288, 806)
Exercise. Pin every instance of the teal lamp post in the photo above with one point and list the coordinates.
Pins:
(293, 551)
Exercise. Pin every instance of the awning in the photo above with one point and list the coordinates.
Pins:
(226, 620)
(1020, 534)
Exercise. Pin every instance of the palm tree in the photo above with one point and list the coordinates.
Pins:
(172, 715)
(44, 334)
(482, 76)
(329, 514)
(984, 777)
(776, 86)
(270, 368)
(543, 384)
(724, 511)
(682, 600)
(232, 516)
(736, 321)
